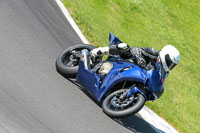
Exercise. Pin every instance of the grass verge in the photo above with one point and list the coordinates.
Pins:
(153, 23)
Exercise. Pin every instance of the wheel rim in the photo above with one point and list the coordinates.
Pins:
(70, 60)
(118, 104)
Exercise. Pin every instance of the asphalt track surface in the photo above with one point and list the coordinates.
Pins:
(34, 98)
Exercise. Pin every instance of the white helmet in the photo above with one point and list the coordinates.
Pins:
(169, 57)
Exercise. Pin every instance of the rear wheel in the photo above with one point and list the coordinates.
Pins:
(115, 106)
(67, 61)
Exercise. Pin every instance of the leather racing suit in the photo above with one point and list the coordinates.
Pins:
(144, 57)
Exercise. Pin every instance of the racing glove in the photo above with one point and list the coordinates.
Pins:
(99, 51)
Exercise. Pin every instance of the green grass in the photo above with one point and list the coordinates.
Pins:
(153, 23)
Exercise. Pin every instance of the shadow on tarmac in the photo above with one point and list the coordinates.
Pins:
(134, 123)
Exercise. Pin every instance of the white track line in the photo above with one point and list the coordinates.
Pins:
(157, 123)
(72, 22)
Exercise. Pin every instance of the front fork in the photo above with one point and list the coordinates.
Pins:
(84, 57)
(133, 90)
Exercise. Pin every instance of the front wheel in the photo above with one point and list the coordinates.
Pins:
(115, 106)
(67, 62)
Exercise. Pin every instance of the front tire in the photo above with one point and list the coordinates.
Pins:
(67, 67)
(113, 107)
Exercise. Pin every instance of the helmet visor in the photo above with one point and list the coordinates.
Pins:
(169, 62)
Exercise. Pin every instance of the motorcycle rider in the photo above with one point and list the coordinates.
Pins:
(168, 57)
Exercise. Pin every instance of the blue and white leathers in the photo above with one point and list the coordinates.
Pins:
(99, 85)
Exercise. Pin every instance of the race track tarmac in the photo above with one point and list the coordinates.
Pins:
(34, 98)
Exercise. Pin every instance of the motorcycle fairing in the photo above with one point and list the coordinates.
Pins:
(117, 75)
(88, 79)
(113, 39)
(155, 82)
(91, 80)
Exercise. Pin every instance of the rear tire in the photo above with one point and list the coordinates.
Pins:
(63, 59)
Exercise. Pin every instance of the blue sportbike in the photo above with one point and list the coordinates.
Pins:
(121, 86)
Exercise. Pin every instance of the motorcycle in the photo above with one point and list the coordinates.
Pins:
(119, 84)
